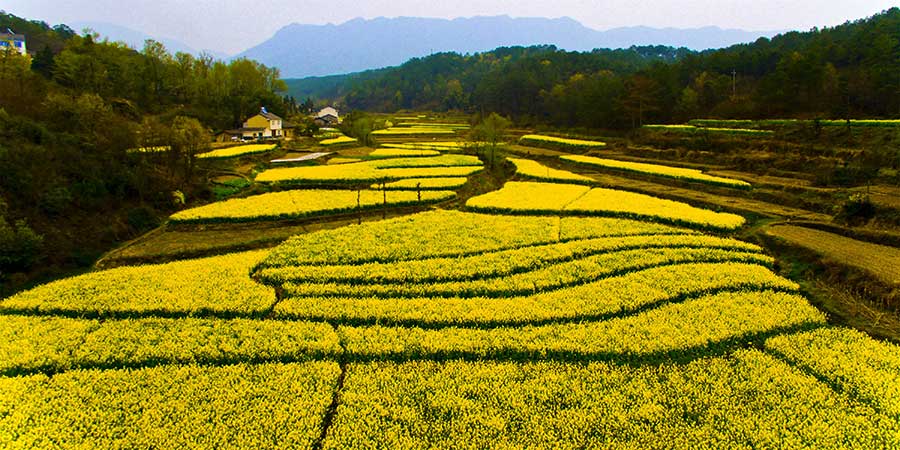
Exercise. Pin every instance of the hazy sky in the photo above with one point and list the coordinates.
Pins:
(234, 25)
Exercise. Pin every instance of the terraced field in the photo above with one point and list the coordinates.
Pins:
(445, 329)
(240, 150)
(427, 145)
(304, 203)
(558, 143)
(529, 169)
(881, 261)
(550, 198)
(606, 327)
(657, 170)
(389, 169)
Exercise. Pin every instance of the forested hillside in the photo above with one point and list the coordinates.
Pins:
(849, 70)
(70, 122)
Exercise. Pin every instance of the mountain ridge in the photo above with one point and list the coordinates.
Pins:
(301, 50)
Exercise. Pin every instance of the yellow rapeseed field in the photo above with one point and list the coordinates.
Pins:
(303, 203)
(413, 131)
(494, 263)
(413, 184)
(552, 198)
(629, 204)
(428, 145)
(240, 150)
(260, 406)
(217, 284)
(678, 173)
(745, 400)
(389, 169)
(535, 170)
(537, 280)
(425, 235)
(581, 322)
(559, 143)
(335, 141)
(58, 343)
(391, 152)
(608, 296)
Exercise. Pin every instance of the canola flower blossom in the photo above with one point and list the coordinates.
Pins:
(300, 203)
(448, 329)
(389, 152)
(428, 145)
(551, 198)
(376, 170)
(336, 141)
(414, 131)
(537, 140)
(534, 170)
(414, 184)
(240, 150)
(678, 173)
(261, 406)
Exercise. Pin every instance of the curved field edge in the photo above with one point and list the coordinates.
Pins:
(546, 279)
(473, 233)
(490, 263)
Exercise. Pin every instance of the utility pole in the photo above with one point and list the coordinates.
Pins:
(733, 84)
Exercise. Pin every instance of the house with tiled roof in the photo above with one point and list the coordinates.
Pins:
(264, 125)
(9, 39)
(327, 117)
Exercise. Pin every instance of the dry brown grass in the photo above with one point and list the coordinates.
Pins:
(856, 311)
(884, 196)
(532, 151)
(178, 244)
(354, 152)
(763, 180)
(881, 261)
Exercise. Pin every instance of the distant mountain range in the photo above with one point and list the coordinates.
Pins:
(315, 50)
(135, 39)
(359, 44)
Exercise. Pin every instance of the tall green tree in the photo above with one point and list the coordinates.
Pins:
(490, 131)
(187, 139)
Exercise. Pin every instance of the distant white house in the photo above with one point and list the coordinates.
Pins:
(264, 125)
(327, 117)
(8, 39)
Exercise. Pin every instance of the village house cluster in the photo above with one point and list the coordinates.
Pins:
(266, 125)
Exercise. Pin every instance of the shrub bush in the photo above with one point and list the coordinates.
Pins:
(857, 210)
(20, 246)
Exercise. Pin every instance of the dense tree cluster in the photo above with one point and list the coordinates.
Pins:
(73, 114)
(851, 70)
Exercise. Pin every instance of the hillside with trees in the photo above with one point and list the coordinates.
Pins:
(849, 70)
(71, 116)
